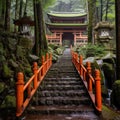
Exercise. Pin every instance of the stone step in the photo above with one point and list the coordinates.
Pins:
(73, 116)
(61, 83)
(58, 93)
(61, 65)
(62, 87)
(62, 79)
(55, 109)
(64, 101)
(62, 75)
(63, 71)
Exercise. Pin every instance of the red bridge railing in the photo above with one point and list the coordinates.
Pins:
(24, 92)
(88, 80)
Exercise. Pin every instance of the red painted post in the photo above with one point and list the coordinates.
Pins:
(98, 99)
(51, 59)
(89, 81)
(80, 63)
(43, 60)
(29, 91)
(47, 64)
(35, 68)
(77, 62)
(19, 93)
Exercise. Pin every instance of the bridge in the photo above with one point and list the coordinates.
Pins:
(64, 90)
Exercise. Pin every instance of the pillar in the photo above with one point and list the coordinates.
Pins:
(74, 39)
(61, 38)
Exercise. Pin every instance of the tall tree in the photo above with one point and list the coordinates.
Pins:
(21, 8)
(40, 46)
(105, 10)
(36, 45)
(7, 15)
(117, 4)
(91, 20)
(16, 13)
(25, 8)
(2, 12)
(101, 10)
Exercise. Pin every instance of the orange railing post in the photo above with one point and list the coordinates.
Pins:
(51, 59)
(35, 68)
(98, 99)
(47, 61)
(89, 81)
(43, 60)
(19, 93)
(80, 63)
(47, 57)
(29, 91)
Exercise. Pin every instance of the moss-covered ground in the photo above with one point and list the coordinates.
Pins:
(109, 114)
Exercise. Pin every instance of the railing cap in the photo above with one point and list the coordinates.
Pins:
(20, 78)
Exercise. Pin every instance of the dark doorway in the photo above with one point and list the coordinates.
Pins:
(67, 39)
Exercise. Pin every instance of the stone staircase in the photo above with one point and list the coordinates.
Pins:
(61, 96)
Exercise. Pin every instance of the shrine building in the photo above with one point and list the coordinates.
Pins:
(67, 29)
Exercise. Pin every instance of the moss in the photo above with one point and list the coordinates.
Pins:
(115, 96)
(108, 114)
(20, 53)
(107, 66)
(25, 43)
(2, 59)
(104, 91)
(10, 101)
(12, 44)
(1, 49)
(2, 86)
(6, 71)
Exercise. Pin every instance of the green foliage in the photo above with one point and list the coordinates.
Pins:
(2, 86)
(56, 51)
(6, 71)
(91, 50)
(47, 3)
(109, 114)
(10, 101)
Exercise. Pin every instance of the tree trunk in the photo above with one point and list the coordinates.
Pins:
(25, 9)
(36, 45)
(20, 13)
(40, 27)
(7, 15)
(91, 20)
(21, 7)
(117, 3)
(16, 14)
(101, 9)
(107, 7)
(40, 43)
(2, 13)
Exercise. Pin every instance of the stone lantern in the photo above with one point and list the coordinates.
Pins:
(103, 33)
(24, 23)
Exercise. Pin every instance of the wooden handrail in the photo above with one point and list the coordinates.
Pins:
(32, 84)
(88, 80)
